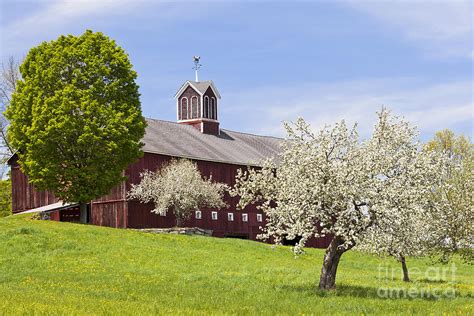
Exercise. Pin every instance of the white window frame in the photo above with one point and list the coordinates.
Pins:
(206, 104)
(187, 108)
(214, 216)
(245, 217)
(214, 108)
(230, 217)
(198, 214)
(197, 108)
(259, 218)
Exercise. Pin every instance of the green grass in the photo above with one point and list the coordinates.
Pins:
(60, 268)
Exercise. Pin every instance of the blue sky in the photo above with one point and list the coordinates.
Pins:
(274, 61)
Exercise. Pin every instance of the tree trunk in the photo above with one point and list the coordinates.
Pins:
(333, 254)
(83, 212)
(178, 221)
(405, 269)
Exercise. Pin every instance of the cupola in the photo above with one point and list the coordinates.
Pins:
(197, 104)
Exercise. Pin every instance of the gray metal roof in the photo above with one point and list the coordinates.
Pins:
(181, 140)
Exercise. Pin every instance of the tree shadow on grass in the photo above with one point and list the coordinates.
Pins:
(356, 291)
(432, 281)
(341, 290)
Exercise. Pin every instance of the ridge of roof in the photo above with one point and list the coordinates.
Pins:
(222, 129)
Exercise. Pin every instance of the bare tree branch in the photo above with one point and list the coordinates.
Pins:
(9, 76)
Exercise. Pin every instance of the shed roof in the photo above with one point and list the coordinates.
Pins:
(49, 208)
(181, 140)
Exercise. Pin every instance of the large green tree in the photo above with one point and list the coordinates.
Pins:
(75, 117)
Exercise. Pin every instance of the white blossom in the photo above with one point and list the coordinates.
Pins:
(179, 187)
(452, 214)
(330, 182)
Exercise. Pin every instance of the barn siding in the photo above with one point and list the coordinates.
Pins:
(114, 210)
(111, 210)
(24, 195)
(112, 214)
(140, 216)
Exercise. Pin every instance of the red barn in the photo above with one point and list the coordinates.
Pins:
(197, 136)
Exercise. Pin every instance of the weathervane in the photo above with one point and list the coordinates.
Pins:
(196, 67)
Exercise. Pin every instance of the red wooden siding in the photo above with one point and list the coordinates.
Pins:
(24, 195)
(114, 210)
(110, 210)
(189, 93)
(139, 215)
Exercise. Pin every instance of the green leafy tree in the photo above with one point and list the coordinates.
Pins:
(75, 117)
(5, 198)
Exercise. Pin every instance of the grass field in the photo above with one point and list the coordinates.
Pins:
(61, 268)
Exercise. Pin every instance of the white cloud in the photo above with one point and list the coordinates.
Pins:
(442, 28)
(55, 15)
(429, 107)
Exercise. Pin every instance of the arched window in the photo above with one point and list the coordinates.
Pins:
(184, 108)
(206, 107)
(214, 108)
(194, 107)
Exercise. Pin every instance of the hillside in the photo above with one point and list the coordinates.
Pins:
(61, 268)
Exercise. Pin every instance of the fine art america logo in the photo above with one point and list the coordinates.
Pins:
(430, 283)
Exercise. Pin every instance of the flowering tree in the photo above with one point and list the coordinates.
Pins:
(453, 200)
(406, 227)
(330, 183)
(401, 233)
(179, 187)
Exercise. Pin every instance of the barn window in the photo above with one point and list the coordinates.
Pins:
(259, 218)
(162, 213)
(230, 217)
(245, 217)
(194, 107)
(184, 108)
(206, 107)
(198, 215)
(214, 216)
(213, 108)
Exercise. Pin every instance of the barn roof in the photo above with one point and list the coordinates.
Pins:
(181, 140)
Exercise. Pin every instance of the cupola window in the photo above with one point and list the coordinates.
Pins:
(206, 107)
(194, 107)
(213, 109)
(184, 108)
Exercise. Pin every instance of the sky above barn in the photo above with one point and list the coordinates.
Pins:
(274, 61)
